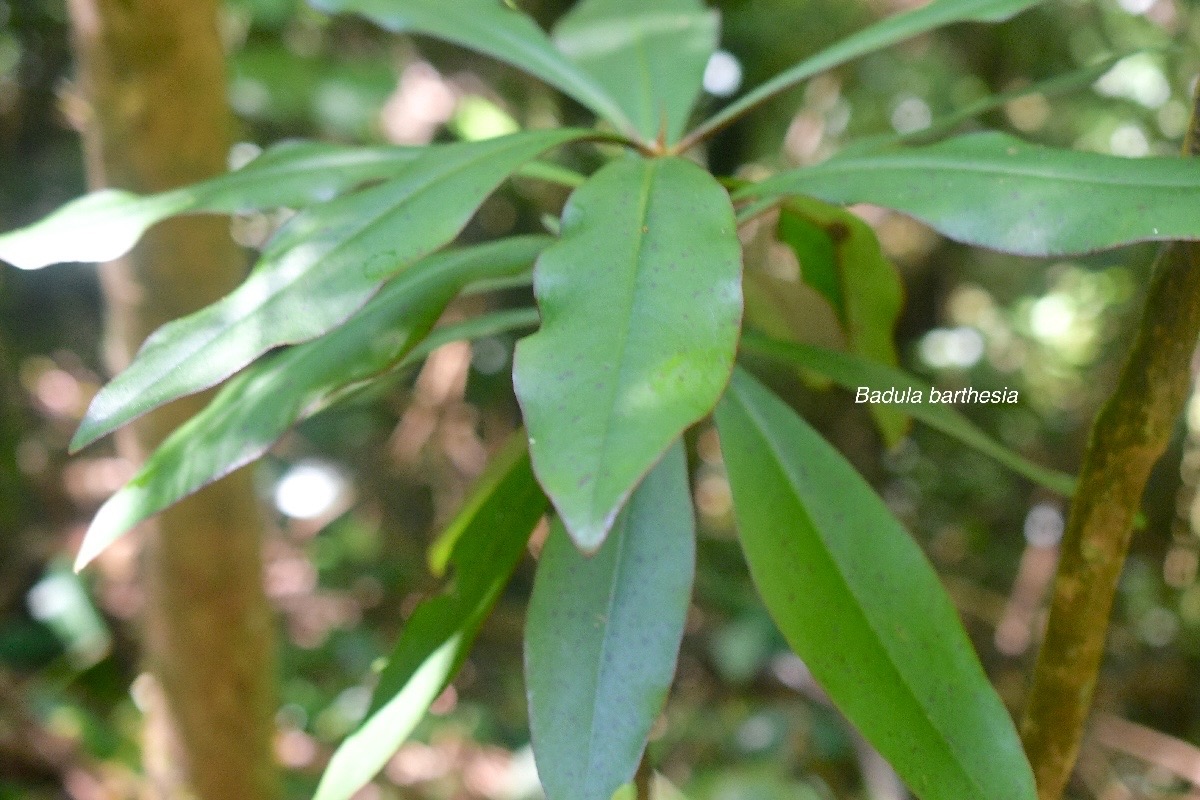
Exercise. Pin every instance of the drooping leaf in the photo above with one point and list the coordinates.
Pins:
(853, 372)
(840, 257)
(640, 301)
(882, 34)
(104, 225)
(602, 636)
(494, 28)
(489, 537)
(256, 408)
(649, 57)
(855, 598)
(996, 191)
(317, 271)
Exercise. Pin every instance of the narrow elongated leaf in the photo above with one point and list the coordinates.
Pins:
(650, 57)
(491, 27)
(104, 225)
(489, 537)
(996, 191)
(255, 409)
(321, 268)
(855, 598)
(602, 636)
(875, 37)
(840, 257)
(854, 372)
(640, 300)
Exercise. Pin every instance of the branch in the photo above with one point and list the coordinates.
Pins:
(1130, 433)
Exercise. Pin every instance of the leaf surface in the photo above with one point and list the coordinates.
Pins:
(650, 57)
(317, 271)
(494, 28)
(256, 408)
(641, 303)
(851, 372)
(840, 256)
(996, 191)
(884, 33)
(489, 535)
(855, 598)
(602, 636)
(106, 224)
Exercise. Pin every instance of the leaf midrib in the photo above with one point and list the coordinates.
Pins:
(651, 170)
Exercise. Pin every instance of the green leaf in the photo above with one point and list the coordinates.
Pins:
(256, 408)
(649, 57)
(641, 301)
(840, 257)
(602, 636)
(852, 372)
(317, 271)
(490, 535)
(875, 37)
(855, 598)
(104, 225)
(494, 28)
(996, 191)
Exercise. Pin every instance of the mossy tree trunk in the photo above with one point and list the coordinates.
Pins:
(151, 73)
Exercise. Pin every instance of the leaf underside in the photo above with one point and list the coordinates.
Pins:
(602, 636)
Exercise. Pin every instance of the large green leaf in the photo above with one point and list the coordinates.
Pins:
(494, 28)
(256, 408)
(996, 191)
(489, 537)
(840, 256)
(321, 268)
(104, 225)
(855, 598)
(854, 373)
(875, 37)
(640, 301)
(650, 57)
(602, 635)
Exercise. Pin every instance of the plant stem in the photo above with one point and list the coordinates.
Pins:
(1131, 431)
(643, 780)
(153, 75)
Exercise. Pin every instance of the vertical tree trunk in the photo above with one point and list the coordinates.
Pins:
(152, 75)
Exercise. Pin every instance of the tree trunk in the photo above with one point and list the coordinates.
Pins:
(152, 75)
